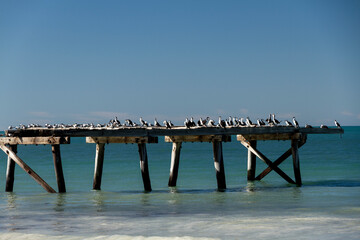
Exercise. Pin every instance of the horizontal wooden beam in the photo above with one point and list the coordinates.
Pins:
(274, 136)
(162, 131)
(198, 138)
(121, 139)
(35, 140)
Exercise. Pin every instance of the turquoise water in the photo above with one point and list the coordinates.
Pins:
(327, 206)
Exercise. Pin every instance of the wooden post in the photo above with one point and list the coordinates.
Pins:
(144, 166)
(58, 168)
(251, 165)
(99, 162)
(219, 164)
(26, 168)
(296, 161)
(174, 167)
(10, 171)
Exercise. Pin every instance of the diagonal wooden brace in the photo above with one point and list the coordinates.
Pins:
(268, 162)
(278, 161)
(26, 168)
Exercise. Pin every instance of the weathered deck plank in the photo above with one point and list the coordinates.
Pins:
(162, 131)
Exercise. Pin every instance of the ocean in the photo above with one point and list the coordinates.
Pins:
(327, 206)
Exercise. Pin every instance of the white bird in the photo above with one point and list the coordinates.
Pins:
(167, 124)
(296, 124)
(187, 123)
(337, 124)
(260, 122)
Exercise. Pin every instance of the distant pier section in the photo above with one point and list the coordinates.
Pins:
(142, 135)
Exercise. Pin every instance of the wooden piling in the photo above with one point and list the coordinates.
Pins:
(99, 162)
(251, 165)
(144, 166)
(10, 171)
(219, 164)
(58, 168)
(174, 167)
(296, 161)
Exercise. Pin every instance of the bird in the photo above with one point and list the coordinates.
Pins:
(268, 120)
(187, 123)
(260, 122)
(296, 124)
(142, 122)
(211, 123)
(221, 123)
(241, 122)
(323, 126)
(289, 124)
(274, 120)
(10, 127)
(192, 123)
(167, 124)
(337, 124)
(156, 123)
(129, 122)
(308, 126)
(249, 122)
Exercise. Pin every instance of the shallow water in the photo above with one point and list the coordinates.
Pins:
(327, 206)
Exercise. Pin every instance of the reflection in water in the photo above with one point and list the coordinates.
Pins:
(60, 202)
(11, 200)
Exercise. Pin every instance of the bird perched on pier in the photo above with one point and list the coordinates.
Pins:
(249, 122)
(308, 126)
(268, 120)
(211, 123)
(296, 124)
(187, 123)
(289, 124)
(260, 122)
(241, 122)
(323, 126)
(167, 124)
(142, 122)
(337, 124)
(221, 123)
(129, 122)
(274, 120)
(192, 123)
(156, 123)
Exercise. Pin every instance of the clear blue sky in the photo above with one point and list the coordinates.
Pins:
(88, 61)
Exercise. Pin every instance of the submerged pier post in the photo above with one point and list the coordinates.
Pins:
(99, 162)
(10, 171)
(58, 168)
(219, 164)
(144, 166)
(174, 165)
(251, 165)
(296, 161)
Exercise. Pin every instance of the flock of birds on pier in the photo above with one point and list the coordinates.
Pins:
(271, 121)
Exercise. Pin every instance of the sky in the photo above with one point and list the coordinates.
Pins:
(88, 61)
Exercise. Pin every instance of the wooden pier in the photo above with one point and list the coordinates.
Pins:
(247, 136)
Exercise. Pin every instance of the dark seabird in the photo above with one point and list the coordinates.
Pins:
(337, 124)
(260, 123)
(241, 122)
(323, 126)
(289, 124)
(142, 122)
(187, 123)
(308, 126)
(221, 122)
(268, 120)
(192, 123)
(167, 124)
(296, 124)
(249, 122)
(156, 123)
